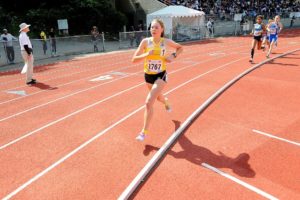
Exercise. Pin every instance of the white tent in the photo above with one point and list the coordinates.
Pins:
(174, 16)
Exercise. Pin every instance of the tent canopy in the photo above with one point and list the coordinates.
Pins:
(174, 16)
(176, 11)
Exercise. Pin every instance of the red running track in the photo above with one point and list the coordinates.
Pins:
(72, 138)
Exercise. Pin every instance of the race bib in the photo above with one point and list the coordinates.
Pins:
(257, 33)
(154, 66)
(273, 31)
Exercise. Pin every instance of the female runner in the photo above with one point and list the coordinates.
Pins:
(153, 50)
(273, 31)
(257, 33)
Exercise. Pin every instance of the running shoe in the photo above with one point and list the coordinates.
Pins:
(167, 106)
(33, 81)
(141, 137)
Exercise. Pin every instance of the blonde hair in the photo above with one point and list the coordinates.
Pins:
(161, 23)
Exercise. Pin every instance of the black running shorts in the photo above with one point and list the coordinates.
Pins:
(151, 78)
(258, 38)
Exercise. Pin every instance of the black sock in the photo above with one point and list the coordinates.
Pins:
(252, 53)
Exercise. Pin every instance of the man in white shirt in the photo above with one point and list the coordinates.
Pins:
(26, 51)
(7, 40)
(209, 26)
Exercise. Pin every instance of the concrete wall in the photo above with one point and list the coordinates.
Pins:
(150, 6)
(137, 10)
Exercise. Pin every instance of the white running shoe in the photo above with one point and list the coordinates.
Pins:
(141, 137)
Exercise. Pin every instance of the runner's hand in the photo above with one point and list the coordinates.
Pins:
(170, 58)
(151, 52)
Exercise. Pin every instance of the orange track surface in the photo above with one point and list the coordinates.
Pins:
(65, 109)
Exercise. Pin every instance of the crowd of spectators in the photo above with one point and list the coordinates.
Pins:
(225, 9)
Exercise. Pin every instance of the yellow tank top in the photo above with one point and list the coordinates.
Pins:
(155, 63)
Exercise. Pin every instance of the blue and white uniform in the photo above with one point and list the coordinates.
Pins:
(273, 31)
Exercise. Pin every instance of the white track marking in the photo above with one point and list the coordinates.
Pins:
(68, 83)
(17, 92)
(240, 182)
(113, 64)
(30, 109)
(65, 67)
(69, 74)
(117, 94)
(45, 171)
(275, 137)
(36, 177)
(160, 153)
(63, 97)
(67, 116)
(80, 91)
(8, 101)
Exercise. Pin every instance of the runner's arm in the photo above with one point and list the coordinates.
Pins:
(281, 27)
(176, 46)
(139, 53)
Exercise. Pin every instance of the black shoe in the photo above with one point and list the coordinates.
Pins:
(33, 81)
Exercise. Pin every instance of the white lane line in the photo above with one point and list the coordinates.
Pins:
(110, 97)
(64, 97)
(39, 175)
(240, 182)
(93, 87)
(275, 137)
(29, 95)
(63, 67)
(197, 54)
(71, 74)
(68, 83)
(45, 171)
(159, 154)
(65, 117)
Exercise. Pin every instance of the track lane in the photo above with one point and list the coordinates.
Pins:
(222, 136)
(87, 116)
(163, 126)
(126, 128)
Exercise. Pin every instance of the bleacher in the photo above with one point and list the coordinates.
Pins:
(225, 9)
